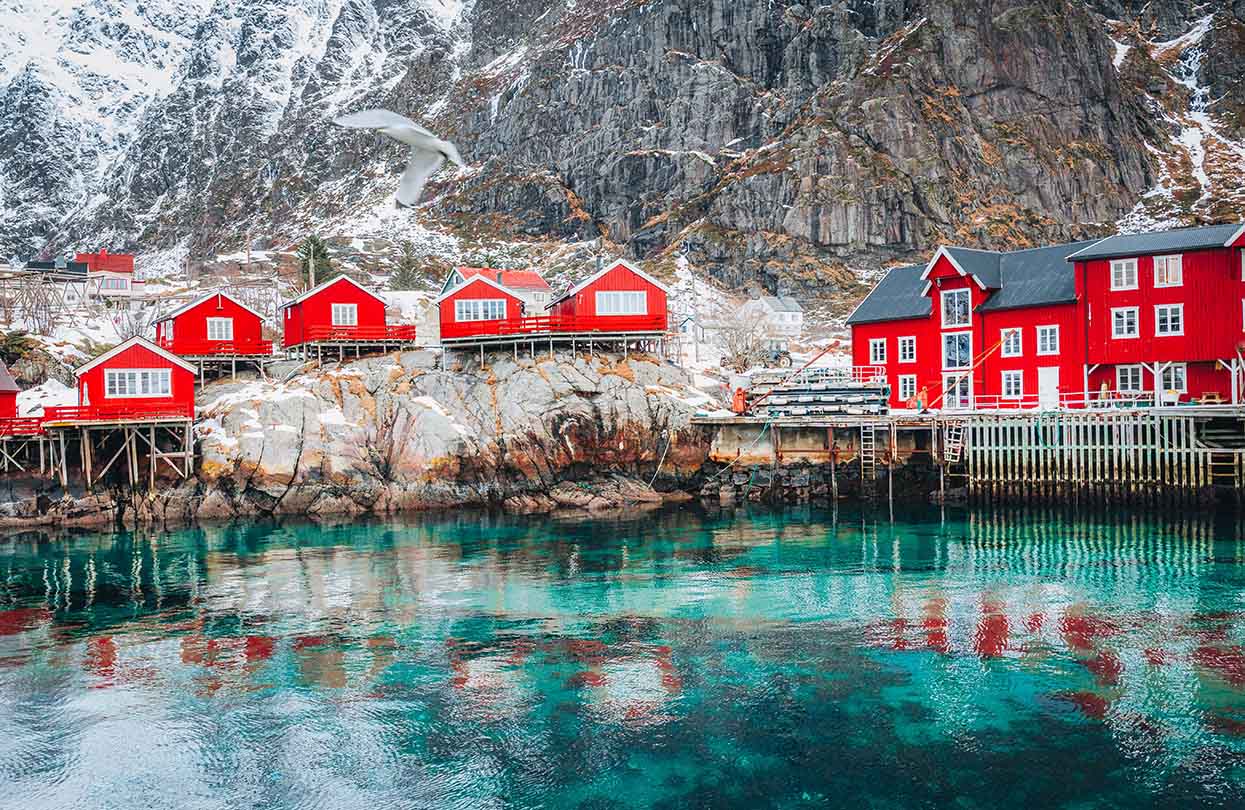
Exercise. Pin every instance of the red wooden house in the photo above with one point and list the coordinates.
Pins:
(8, 393)
(1053, 326)
(340, 311)
(528, 285)
(481, 306)
(216, 325)
(136, 381)
(620, 298)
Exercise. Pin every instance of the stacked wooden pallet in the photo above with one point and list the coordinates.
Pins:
(816, 392)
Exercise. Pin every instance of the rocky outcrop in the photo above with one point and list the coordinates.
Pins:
(399, 433)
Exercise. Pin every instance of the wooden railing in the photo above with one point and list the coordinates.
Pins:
(21, 426)
(117, 412)
(224, 348)
(358, 334)
(555, 325)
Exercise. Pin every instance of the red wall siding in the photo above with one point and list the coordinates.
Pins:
(619, 278)
(476, 290)
(191, 325)
(927, 353)
(182, 382)
(317, 311)
(1027, 320)
(1212, 294)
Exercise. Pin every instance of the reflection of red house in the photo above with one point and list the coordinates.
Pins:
(618, 298)
(216, 325)
(340, 311)
(136, 380)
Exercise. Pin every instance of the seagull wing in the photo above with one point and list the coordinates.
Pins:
(398, 127)
(423, 164)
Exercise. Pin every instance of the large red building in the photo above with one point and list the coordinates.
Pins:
(135, 380)
(215, 325)
(340, 310)
(1144, 316)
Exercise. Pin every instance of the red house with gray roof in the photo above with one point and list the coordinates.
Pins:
(1156, 316)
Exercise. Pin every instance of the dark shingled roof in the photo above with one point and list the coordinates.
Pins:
(983, 264)
(896, 297)
(1141, 244)
(1035, 277)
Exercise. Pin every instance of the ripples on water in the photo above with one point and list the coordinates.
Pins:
(675, 660)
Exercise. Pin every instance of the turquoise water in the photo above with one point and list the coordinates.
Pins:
(770, 659)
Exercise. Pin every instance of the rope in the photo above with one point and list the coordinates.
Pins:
(764, 427)
(968, 371)
(662, 460)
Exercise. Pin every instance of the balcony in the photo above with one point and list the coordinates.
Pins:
(542, 325)
(349, 335)
(217, 348)
(138, 411)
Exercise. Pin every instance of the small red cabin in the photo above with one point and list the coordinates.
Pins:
(106, 262)
(216, 325)
(340, 310)
(479, 306)
(619, 298)
(137, 380)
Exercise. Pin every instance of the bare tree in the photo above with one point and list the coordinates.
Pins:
(745, 337)
(135, 322)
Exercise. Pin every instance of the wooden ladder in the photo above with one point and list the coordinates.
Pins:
(868, 456)
(953, 442)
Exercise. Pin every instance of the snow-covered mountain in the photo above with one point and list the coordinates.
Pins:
(773, 143)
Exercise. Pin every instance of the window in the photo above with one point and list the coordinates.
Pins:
(1011, 343)
(492, 309)
(345, 314)
(1048, 340)
(1128, 379)
(956, 306)
(907, 387)
(628, 302)
(1174, 378)
(109, 283)
(1013, 384)
(907, 350)
(877, 351)
(220, 328)
(957, 350)
(124, 383)
(1168, 271)
(1169, 319)
(1124, 274)
(1124, 322)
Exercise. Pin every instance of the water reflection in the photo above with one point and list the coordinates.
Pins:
(744, 659)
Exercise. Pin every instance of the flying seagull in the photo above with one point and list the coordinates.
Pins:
(428, 151)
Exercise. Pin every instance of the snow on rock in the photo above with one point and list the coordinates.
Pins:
(32, 401)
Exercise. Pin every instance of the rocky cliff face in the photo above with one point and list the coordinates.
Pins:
(778, 143)
(397, 433)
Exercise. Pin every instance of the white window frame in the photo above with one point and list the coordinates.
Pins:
(479, 309)
(877, 351)
(1119, 379)
(1012, 375)
(1115, 334)
(908, 342)
(1179, 309)
(1127, 266)
(621, 302)
(1008, 350)
(128, 383)
(906, 384)
(968, 311)
(1184, 378)
(221, 323)
(1049, 329)
(339, 311)
(946, 335)
(1163, 270)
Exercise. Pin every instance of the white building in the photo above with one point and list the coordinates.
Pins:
(783, 314)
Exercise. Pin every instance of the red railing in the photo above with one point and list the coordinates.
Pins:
(357, 334)
(225, 348)
(21, 426)
(555, 324)
(117, 412)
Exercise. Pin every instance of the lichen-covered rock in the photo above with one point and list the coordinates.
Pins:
(396, 433)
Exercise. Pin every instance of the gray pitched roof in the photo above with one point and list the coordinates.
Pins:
(983, 264)
(1140, 244)
(782, 303)
(1035, 276)
(8, 385)
(896, 297)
